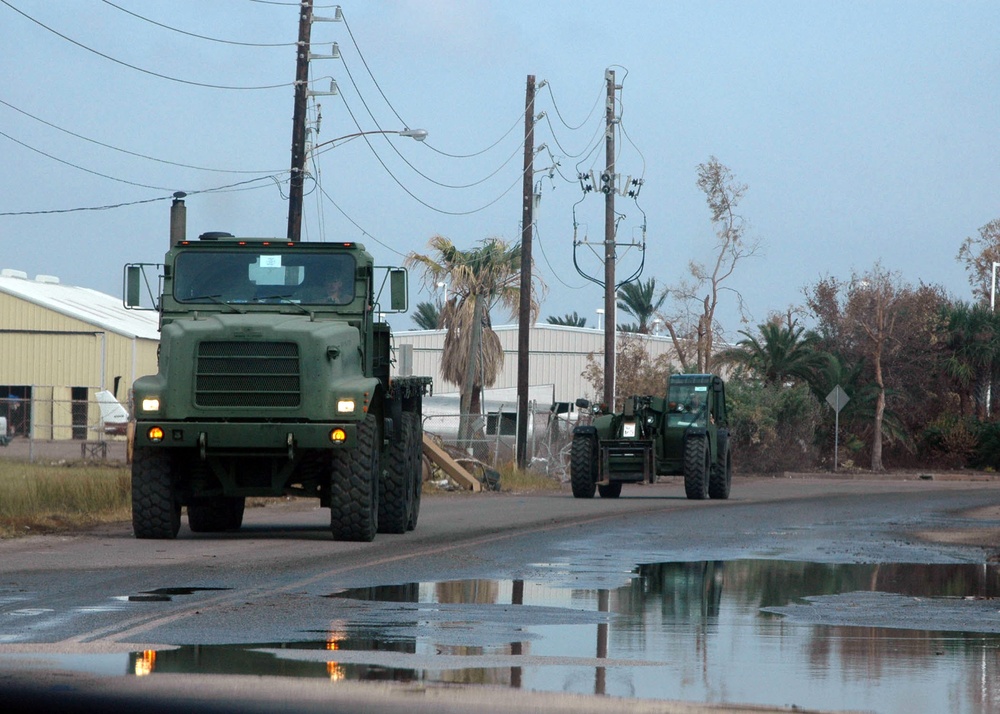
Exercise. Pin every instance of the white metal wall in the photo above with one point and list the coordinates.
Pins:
(557, 355)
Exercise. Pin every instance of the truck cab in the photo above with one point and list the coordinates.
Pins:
(273, 378)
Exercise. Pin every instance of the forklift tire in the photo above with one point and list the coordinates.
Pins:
(696, 467)
(583, 466)
(722, 476)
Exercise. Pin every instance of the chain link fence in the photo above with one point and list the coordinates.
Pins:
(494, 435)
(35, 428)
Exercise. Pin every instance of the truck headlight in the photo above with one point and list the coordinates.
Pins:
(345, 406)
(151, 404)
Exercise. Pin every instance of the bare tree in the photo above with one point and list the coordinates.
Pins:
(979, 254)
(884, 331)
(692, 325)
(872, 310)
(636, 371)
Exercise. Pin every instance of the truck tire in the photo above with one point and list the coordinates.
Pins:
(215, 514)
(156, 508)
(611, 490)
(722, 475)
(395, 497)
(417, 466)
(583, 466)
(354, 486)
(696, 467)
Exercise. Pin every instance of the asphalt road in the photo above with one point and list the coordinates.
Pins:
(80, 597)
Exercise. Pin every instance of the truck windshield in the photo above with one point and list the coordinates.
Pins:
(246, 276)
(688, 405)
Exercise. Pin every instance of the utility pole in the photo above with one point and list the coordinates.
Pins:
(608, 187)
(295, 189)
(524, 310)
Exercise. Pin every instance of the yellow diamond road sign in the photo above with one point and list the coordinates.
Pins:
(837, 399)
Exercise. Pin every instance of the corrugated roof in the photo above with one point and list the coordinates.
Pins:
(93, 307)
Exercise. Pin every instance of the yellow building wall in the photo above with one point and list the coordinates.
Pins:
(52, 353)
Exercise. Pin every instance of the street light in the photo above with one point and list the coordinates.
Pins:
(442, 293)
(415, 134)
(295, 192)
(993, 308)
(993, 288)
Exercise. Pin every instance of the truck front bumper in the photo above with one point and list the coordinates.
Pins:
(254, 436)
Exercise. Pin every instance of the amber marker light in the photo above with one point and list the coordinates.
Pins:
(338, 436)
(155, 434)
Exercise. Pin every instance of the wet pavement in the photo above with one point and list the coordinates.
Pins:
(886, 637)
(824, 602)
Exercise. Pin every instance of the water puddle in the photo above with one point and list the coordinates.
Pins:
(887, 638)
(164, 594)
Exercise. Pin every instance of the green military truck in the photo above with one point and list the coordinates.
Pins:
(273, 379)
(685, 432)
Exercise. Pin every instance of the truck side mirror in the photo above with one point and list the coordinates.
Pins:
(133, 286)
(397, 290)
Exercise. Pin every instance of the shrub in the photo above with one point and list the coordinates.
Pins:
(772, 427)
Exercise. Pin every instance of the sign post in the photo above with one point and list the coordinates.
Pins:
(837, 399)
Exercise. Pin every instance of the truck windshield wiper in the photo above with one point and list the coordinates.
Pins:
(284, 301)
(217, 300)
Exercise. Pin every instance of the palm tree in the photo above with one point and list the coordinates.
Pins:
(568, 320)
(781, 353)
(972, 344)
(639, 299)
(427, 316)
(480, 279)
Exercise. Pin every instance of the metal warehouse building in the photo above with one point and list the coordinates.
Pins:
(558, 356)
(59, 346)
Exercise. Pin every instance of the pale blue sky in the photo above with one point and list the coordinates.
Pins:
(865, 131)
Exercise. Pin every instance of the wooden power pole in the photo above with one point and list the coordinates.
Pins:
(295, 189)
(524, 310)
(608, 187)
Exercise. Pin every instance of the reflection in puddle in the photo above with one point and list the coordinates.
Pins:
(896, 637)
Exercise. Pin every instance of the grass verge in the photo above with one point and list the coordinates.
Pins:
(36, 498)
(517, 480)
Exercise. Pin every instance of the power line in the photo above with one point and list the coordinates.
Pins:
(81, 168)
(365, 63)
(240, 186)
(569, 155)
(193, 34)
(126, 151)
(84, 208)
(290, 4)
(404, 123)
(413, 195)
(538, 238)
(134, 67)
(356, 225)
(407, 161)
(555, 106)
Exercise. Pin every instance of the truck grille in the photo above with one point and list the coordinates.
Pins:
(247, 374)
